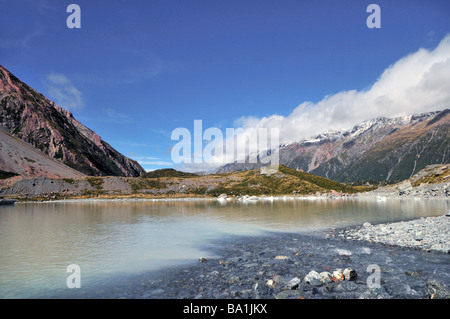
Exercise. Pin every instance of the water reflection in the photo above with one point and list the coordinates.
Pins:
(38, 241)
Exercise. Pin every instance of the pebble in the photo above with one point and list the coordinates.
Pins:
(293, 283)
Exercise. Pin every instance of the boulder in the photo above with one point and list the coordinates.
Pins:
(313, 278)
(349, 273)
(293, 283)
(325, 277)
(338, 275)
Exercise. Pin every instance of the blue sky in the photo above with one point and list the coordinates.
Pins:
(136, 70)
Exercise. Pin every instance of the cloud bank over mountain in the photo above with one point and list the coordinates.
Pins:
(417, 83)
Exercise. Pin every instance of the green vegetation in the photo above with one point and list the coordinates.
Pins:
(91, 193)
(96, 182)
(167, 172)
(433, 177)
(3, 103)
(5, 174)
(29, 160)
(199, 191)
(321, 182)
(59, 153)
(69, 180)
(140, 183)
(285, 181)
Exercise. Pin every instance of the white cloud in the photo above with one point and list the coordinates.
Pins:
(22, 41)
(112, 116)
(150, 160)
(155, 162)
(418, 82)
(134, 144)
(65, 94)
(145, 158)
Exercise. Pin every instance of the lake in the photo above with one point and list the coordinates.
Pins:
(107, 239)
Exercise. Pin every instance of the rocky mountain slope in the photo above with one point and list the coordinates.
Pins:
(29, 116)
(381, 149)
(21, 158)
(431, 182)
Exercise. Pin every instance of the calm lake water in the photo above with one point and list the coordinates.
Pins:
(106, 239)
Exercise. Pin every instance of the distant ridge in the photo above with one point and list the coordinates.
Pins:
(167, 172)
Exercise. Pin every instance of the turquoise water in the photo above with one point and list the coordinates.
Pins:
(38, 241)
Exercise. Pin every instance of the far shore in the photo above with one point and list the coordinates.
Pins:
(224, 199)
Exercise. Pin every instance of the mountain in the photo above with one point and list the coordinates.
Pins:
(31, 117)
(381, 149)
(431, 182)
(23, 159)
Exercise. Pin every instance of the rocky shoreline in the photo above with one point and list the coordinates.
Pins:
(405, 190)
(429, 234)
(336, 264)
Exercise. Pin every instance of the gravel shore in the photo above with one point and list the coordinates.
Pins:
(430, 234)
(335, 264)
